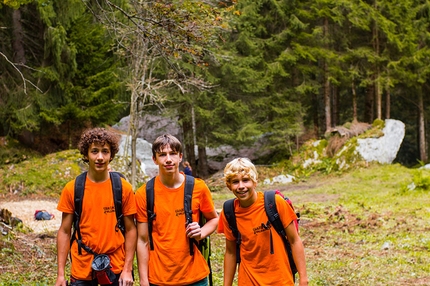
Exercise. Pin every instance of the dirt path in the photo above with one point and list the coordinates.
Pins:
(24, 210)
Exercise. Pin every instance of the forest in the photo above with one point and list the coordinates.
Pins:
(232, 72)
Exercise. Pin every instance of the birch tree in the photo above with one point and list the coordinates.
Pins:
(156, 38)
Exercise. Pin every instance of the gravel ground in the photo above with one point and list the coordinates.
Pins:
(25, 210)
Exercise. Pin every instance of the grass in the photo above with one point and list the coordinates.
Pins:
(365, 227)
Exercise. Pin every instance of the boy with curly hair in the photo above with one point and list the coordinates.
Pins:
(98, 222)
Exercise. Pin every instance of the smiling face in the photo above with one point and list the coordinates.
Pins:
(243, 187)
(240, 176)
(99, 157)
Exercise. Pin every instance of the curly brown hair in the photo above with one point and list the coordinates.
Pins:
(98, 135)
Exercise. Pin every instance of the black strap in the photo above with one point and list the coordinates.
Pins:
(78, 198)
(188, 194)
(230, 215)
(117, 197)
(275, 221)
(78, 201)
(150, 209)
(272, 212)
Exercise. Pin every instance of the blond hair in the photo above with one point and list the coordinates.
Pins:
(240, 166)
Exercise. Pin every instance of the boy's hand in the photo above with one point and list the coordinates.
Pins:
(193, 230)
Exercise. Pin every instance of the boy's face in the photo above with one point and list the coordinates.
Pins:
(243, 188)
(167, 160)
(99, 157)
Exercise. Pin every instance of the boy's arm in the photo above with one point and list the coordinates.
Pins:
(229, 262)
(63, 247)
(143, 252)
(211, 223)
(130, 248)
(298, 253)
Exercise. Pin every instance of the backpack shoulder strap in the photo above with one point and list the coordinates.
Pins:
(150, 209)
(230, 215)
(275, 220)
(78, 199)
(117, 197)
(272, 212)
(188, 194)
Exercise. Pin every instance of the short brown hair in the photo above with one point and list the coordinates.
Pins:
(162, 141)
(101, 136)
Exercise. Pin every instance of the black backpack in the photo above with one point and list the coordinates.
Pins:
(79, 196)
(274, 219)
(203, 245)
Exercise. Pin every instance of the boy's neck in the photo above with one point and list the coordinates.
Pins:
(172, 180)
(98, 177)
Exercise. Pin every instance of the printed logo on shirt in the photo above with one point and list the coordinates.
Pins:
(180, 212)
(260, 228)
(110, 209)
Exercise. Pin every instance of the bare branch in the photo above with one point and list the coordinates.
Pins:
(17, 69)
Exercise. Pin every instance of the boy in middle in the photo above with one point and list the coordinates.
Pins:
(170, 263)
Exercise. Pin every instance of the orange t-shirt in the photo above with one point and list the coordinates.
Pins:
(97, 224)
(171, 263)
(258, 266)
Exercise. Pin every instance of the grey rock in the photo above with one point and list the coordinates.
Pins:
(384, 149)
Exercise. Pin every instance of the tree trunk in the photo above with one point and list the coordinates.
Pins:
(378, 97)
(132, 131)
(187, 129)
(315, 115)
(421, 128)
(354, 102)
(369, 104)
(327, 107)
(335, 112)
(203, 167)
(388, 102)
(17, 42)
(377, 77)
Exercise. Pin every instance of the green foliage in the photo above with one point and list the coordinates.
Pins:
(45, 176)
(420, 182)
(13, 152)
(15, 3)
(267, 62)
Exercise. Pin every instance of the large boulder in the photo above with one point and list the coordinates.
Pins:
(383, 149)
(380, 143)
